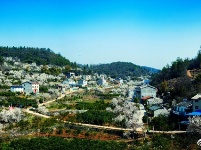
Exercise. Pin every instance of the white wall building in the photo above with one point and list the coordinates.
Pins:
(17, 88)
(30, 87)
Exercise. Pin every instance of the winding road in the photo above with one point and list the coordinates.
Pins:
(140, 130)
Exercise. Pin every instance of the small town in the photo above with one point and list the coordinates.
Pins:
(91, 106)
(100, 75)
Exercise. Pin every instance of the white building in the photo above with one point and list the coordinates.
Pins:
(87, 77)
(145, 91)
(69, 82)
(196, 102)
(82, 83)
(17, 88)
(30, 87)
(102, 82)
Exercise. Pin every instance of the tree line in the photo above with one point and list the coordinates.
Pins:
(58, 143)
(117, 69)
(173, 78)
(41, 56)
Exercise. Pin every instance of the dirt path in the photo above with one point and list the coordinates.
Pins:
(140, 130)
(35, 113)
(189, 74)
(62, 96)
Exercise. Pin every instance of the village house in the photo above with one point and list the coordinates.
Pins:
(82, 83)
(69, 82)
(118, 81)
(145, 91)
(196, 102)
(102, 82)
(156, 110)
(87, 77)
(17, 88)
(149, 100)
(30, 87)
(63, 87)
(182, 108)
(70, 75)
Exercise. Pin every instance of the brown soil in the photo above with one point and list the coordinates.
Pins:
(193, 73)
(94, 136)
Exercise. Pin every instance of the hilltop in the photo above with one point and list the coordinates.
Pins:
(120, 69)
(182, 78)
(40, 56)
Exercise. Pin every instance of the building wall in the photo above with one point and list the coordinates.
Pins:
(27, 87)
(194, 103)
(30, 87)
(82, 83)
(102, 82)
(148, 91)
(145, 91)
(14, 89)
(35, 87)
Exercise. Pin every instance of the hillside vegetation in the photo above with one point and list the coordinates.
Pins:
(182, 78)
(41, 56)
(119, 69)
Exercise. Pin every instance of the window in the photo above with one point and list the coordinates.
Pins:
(196, 100)
(196, 107)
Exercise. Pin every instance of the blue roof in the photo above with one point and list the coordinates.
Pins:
(198, 110)
(154, 108)
(194, 114)
(16, 86)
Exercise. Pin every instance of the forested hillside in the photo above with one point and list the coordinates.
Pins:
(174, 79)
(119, 69)
(41, 56)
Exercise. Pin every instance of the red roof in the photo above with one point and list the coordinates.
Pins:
(146, 98)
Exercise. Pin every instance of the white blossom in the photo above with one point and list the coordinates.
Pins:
(42, 110)
(109, 109)
(126, 111)
(195, 124)
(11, 115)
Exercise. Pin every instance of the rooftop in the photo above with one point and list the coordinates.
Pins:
(198, 96)
(146, 97)
(185, 104)
(16, 86)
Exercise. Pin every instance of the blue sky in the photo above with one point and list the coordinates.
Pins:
(145, 32)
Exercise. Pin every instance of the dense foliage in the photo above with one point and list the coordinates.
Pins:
(163, 123)
(58, 143)
(43, 89)
(97, 117)
(119, 69)
(173, 78)
(41, 56)
(97, 105)
(18, 102)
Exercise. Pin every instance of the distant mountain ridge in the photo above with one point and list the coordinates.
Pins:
(121, 69)
(41, 56)
(151, 70)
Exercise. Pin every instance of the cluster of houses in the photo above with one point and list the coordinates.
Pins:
(188, 107)
(139, 89)
(74, 81)
(26, 87)
(146, 94)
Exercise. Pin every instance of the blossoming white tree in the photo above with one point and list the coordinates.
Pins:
(195, 124)
(42, 110)
(127, 112)
(11, 115)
